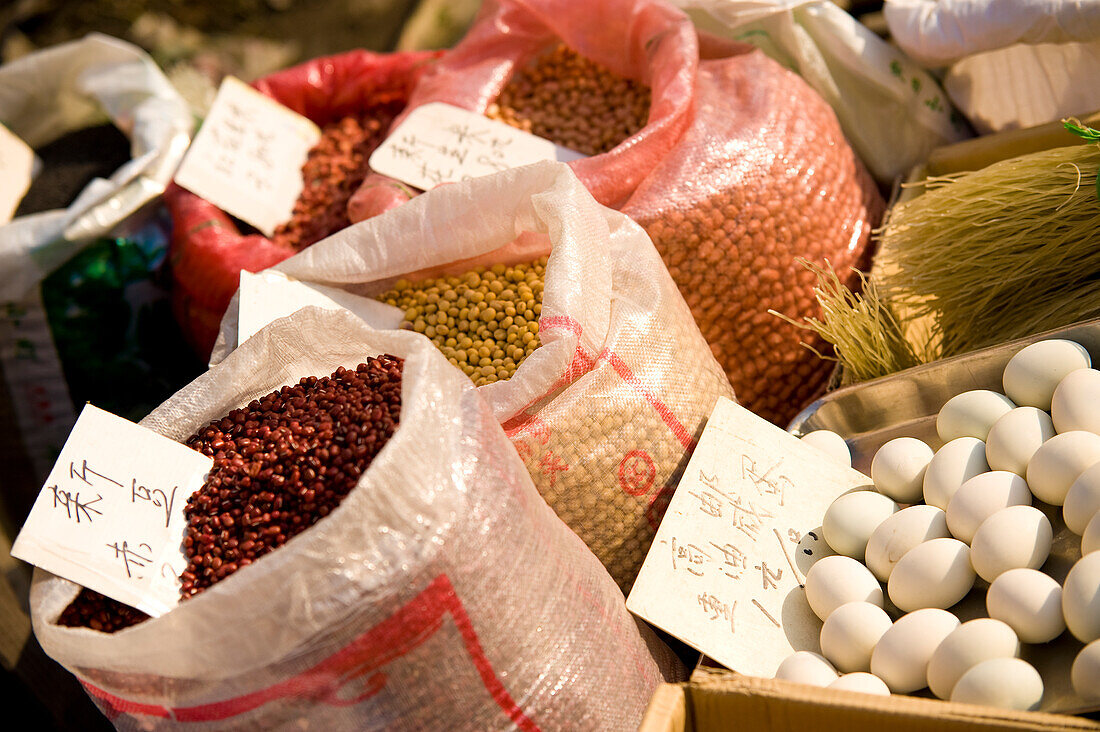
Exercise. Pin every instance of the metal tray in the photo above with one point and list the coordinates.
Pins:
(905, 404)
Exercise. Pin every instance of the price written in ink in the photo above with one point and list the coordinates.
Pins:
(748, 520)
(247, 156)
(110, 516)
(438, 143)
(726, 569)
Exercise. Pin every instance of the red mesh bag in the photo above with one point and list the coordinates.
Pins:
(648, 41)
(208, 250)
(762, 177)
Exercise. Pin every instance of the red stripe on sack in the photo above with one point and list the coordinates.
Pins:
(669, 418)
(560, 321)
(488, 677)
(582, 363)
(401, 633)
(117, 705)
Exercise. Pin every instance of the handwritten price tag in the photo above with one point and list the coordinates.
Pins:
(110, 516)
(17, 163)
(439, 143)
(725, 571)
(247, 156)
(267, 296)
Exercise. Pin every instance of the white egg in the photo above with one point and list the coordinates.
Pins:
(1032, 375)
(982, 496)
(936, 573)
(850, 520)
(902, 654)
(1006, 683)
(831, 444)
(1074, 404)
(806, 667)
(967, 646)
(811, 547)
(836, 580)
(1090, 540)
(1030, 602)
(898, 469)
(953, 464)
(1081, 598)
(1085, 674)
(1082, 499)
(1015, 437)
(850, 634)
(862, 682)
(900, 533)
(1017, 536)
(971, 414)
(1059, 462)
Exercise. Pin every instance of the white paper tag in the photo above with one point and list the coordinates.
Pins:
(17, 168)
(440, 143)
(247, 157)
(725, 571)
(110, 516)
(267, 296)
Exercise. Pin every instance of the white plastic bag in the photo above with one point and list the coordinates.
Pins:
(892, 111)
(75, 85)
(607, 409)
(42, 97)
(1014, 63)
(443, 593)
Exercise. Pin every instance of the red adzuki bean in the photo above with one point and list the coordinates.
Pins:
(280, 465)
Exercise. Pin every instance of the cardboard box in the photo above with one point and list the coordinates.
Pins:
(722, 700)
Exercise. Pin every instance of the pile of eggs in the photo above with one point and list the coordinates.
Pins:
(1041, 440)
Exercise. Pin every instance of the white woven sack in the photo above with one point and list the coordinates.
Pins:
(442, 593)
(606, 411)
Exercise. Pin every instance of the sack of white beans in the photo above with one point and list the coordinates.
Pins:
(614, 380)
(440, 593)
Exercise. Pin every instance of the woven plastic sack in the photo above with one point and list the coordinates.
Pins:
(442, 593)
(892, 111)
(74, 85)
(208, 251)
(644, 40)
(606, 411)
(766, 177)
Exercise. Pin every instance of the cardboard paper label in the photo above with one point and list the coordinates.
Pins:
(247, 157)
(17, 168)
(110, 516)
(440, 143)
(726, 568)
(267, 296)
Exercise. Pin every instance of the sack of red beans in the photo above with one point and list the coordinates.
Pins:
(762, 177)
(353, 97)
(589, 358)
(440, 593)
(612, 79)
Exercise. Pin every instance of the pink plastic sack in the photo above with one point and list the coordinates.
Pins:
(763, 177)
(645, 40)
(443, 593)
